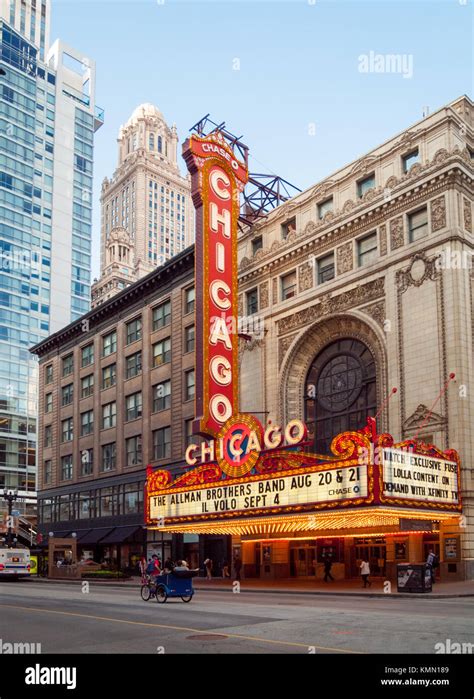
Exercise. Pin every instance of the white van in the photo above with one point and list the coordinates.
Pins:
(14, 562)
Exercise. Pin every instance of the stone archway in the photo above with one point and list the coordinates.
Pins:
(312, 340)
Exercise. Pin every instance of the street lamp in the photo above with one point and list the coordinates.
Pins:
(10, 497)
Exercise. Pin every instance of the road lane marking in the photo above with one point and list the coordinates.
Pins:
(180, 628)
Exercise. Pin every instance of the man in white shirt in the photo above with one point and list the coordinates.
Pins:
(365, 572)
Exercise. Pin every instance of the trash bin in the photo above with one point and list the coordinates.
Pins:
(413, 577)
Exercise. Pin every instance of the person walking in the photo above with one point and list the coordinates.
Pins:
(225, 569)
(327, 569)
(208, 566)
(237, 567)
(432, 563)
(365, 572)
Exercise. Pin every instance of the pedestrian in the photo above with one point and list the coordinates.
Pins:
(365, 572)
(327, 569)
(237, 566)
(208, 566)
(225, 569)
(432, 563)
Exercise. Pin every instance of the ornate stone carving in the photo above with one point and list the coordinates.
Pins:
(363, 166)
(250, 345)
(383, 239)
(344, 258)
(305, 276)
(391, 182)
(283, 345)
(440, 156)
(274, 290)
(396, 233)
(244, 263)
(369, 195)
(241, 305)
(415, 170)
(335, 304)
(264, 295)
(467, 215)
(419, 270)
(310, 228)
(376, 311)
(422, 416)
(348, 206)
(438, 213)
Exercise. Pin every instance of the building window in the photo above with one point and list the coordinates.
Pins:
(109, 415)
(367, 250)
(87, 386)
(340, 391)
(189, 384)
(87, 462)
(162, 315)
(134, 330)
(87, 423)
(109, 343)
(288, 286)
(48, 374)
(287, 228)
(188, 432)
(47, 471)
(410, 159)
(133, 451)
(133, 365)
(162, 396)
(257, 244)
(189, 298)
(325, 207)
(162, 352)
(326, 268)
(109, 376)
(87, 355)
(66, 467)
(48, 403)
(133, 406)
(108, 457)
(252, 302)
(67, 430)
(68, 365)
(48, 436)
(418, 224)
(189, 339)
(67, 393)
(364, 185)
(162, 443)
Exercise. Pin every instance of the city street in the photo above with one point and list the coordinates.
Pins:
(109, 620)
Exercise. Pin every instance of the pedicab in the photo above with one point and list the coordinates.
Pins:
(179, 583)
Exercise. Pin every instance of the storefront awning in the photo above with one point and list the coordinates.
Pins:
(93, 536)
(345, 523)
(119, 535)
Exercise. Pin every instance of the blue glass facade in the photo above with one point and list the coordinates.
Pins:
(27, 103)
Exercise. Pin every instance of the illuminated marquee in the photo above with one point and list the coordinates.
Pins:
(217, 180)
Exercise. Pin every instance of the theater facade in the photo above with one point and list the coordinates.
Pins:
(351, 433)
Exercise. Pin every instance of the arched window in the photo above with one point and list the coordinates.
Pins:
(151, 141)
(340, 391)
(160, 144)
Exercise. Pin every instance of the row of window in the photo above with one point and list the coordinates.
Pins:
(161, 400)
(161, 317)
(133, 455)
(366, 251)
(116, 500)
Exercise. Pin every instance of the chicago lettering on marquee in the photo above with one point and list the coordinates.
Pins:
(217, 179)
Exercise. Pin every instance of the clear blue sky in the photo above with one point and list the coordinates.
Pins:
(299, 65)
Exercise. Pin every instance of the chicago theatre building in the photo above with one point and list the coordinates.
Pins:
(353, 434)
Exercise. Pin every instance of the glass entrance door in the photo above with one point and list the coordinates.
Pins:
(374, 551)
(302, 562)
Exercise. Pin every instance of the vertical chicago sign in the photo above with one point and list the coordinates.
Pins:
(218, 178)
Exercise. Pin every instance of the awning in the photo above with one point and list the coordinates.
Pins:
(119, 535)
(63, 534)
(93, 536)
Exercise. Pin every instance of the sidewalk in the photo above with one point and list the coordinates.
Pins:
(348, 588)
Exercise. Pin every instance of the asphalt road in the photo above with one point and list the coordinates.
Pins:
(64, 619)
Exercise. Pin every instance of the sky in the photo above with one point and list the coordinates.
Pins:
(295, 78)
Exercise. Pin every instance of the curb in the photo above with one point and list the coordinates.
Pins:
(372, 595)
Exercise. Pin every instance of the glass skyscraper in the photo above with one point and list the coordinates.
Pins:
(47, 123)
